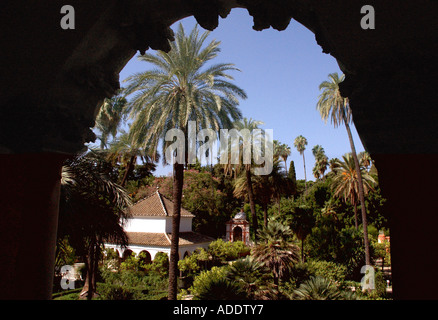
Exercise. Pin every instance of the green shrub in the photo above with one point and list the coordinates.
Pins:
(213, 280)
(319, 288)
(328, 270)
(227, 251)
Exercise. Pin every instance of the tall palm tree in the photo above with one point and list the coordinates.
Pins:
(181, 88)
(265, 187)
(346, 182)
(283, 151)
(250, 125)
(300, 144)
(332, 105)
(321, 161)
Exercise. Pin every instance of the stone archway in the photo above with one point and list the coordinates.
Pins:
(126, 254)
(145, 257)
(237, 233)
(388, 71)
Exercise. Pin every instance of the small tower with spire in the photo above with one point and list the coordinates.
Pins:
(237, 229)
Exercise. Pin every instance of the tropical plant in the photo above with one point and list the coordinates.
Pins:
(214, 285)
(302, 222)
(319, 288)
(265, 187)
(321, 161)
(92, 212)
(283, 151)
(123, 151)
(109, 117)
(180, 88)
(332, 105)
(276, 250)
(300, 144)
(345, 183)
(252, 277)
(243, 165)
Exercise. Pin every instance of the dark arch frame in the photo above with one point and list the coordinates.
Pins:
(391, 130)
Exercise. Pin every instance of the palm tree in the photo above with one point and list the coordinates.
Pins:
(252, 276)
(180, 88)
(319, 288)
(109, 117)
(332, 104)
(346, 183)
(301, 223)
(321, 161)
(300, 144)
(249, 125)
(283, 151)
(122, 150)
(276, 250)
(92, 212)
(265, 187)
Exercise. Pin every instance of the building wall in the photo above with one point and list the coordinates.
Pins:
(146, 224)
(156, 224)
(153, 250)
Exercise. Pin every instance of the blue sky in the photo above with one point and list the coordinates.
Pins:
(280, 72)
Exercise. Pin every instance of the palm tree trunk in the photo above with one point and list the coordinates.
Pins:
(361, 192)
(178, 179)
(355, 216)
(265, 213)
(302, 250)
(88, 288)
(251, 201)
(305, 178)
(129, 168)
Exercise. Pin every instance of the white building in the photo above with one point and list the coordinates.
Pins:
(150, 226)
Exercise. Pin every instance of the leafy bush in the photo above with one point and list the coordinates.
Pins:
(214, 285)
(319, 288)
(227, 251)
(328, 270)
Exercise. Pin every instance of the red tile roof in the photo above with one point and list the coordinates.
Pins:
(156, 205)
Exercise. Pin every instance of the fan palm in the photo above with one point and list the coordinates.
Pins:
(276, 250)
(346, 182)
(317, 288)
(252, 276)
(300, 144)
(180, 88)
(332, 105)
(302, 222)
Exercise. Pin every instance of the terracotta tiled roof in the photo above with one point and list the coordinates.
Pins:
(162, 239)
(156, 205)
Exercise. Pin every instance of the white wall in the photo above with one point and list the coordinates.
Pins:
(158, 224)
(148, 224)
(185, 224)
